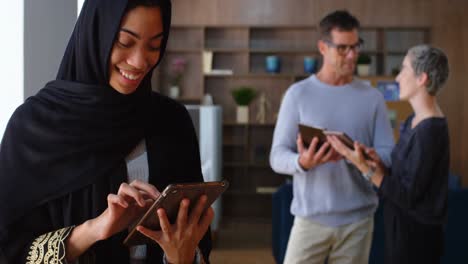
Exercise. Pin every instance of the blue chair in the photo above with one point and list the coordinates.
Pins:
(456, 232)
(377, 252)
(454, 182)
(282, 220)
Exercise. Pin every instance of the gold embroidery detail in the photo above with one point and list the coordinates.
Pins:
(49, 248)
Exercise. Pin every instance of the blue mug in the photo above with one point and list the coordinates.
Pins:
(273, 64)
(310, 64)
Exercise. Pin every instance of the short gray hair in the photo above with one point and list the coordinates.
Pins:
(433, 62)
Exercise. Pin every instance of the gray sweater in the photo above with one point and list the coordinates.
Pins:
(334, 193)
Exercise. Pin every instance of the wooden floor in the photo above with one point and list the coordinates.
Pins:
(243, 241)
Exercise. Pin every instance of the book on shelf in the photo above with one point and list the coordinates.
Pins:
(266, 189)
(389, 89)
(207, 61)
(215, 72)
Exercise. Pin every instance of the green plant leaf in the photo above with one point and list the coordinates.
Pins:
(364, 59)
(243, 95)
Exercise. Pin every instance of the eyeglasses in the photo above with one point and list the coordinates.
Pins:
(343, 49)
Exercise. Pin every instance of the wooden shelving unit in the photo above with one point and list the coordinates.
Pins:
(243, 50)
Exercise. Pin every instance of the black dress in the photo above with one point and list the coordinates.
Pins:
(64, 149)
(415, 193)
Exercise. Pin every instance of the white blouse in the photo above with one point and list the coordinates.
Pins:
(137, 169)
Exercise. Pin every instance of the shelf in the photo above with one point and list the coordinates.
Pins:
(252, 75)
(372, 52)
(292, 75)
(218, 75)
(226, 39)
(267, 75)
(227, 50)
(185, 26)
(284, 51)
(396, 53)
(234, 124)
(283, 27)
(255, 165)
(243, 49)
(188, 100)
(260, 165)
(377, 77)
(249, 124)
(180, 50)
(185, 39)
(272, 125)
(266, 190)
(234, 144)
(283, 39)
(259, 191)
(241, 193)
(235, 164)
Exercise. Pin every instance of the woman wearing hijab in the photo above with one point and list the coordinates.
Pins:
(82, 158)
(415, 187)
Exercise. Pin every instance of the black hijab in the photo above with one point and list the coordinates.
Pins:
(77, 128)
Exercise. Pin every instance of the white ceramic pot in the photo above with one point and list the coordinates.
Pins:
(363, 69)
(242, 114)
(174, 92)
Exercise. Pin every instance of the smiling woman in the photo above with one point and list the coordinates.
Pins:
(69, 154)
(137, 48)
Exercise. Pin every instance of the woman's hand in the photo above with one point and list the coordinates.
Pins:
(130, 202)
(123, 208)
(379, 167)
(179, 241)
(355, 156)
(374, 157)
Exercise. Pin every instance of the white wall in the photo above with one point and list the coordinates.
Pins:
(48, 25)
(11, 68)
(34, 37)
(80, 4)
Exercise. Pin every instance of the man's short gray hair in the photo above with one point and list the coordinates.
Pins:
(433, 62)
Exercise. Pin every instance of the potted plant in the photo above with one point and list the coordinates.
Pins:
(363, 64)
(177, 69)
(243, 96)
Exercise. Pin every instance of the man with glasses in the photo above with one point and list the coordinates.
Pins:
(333, 203)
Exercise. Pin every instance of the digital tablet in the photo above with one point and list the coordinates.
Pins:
(309, 132)
(345, 139)
(170, 200)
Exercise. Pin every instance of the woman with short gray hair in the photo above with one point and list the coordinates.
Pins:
(433, 62)
(415, 187)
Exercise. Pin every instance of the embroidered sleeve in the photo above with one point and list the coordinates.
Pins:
(49, 248)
